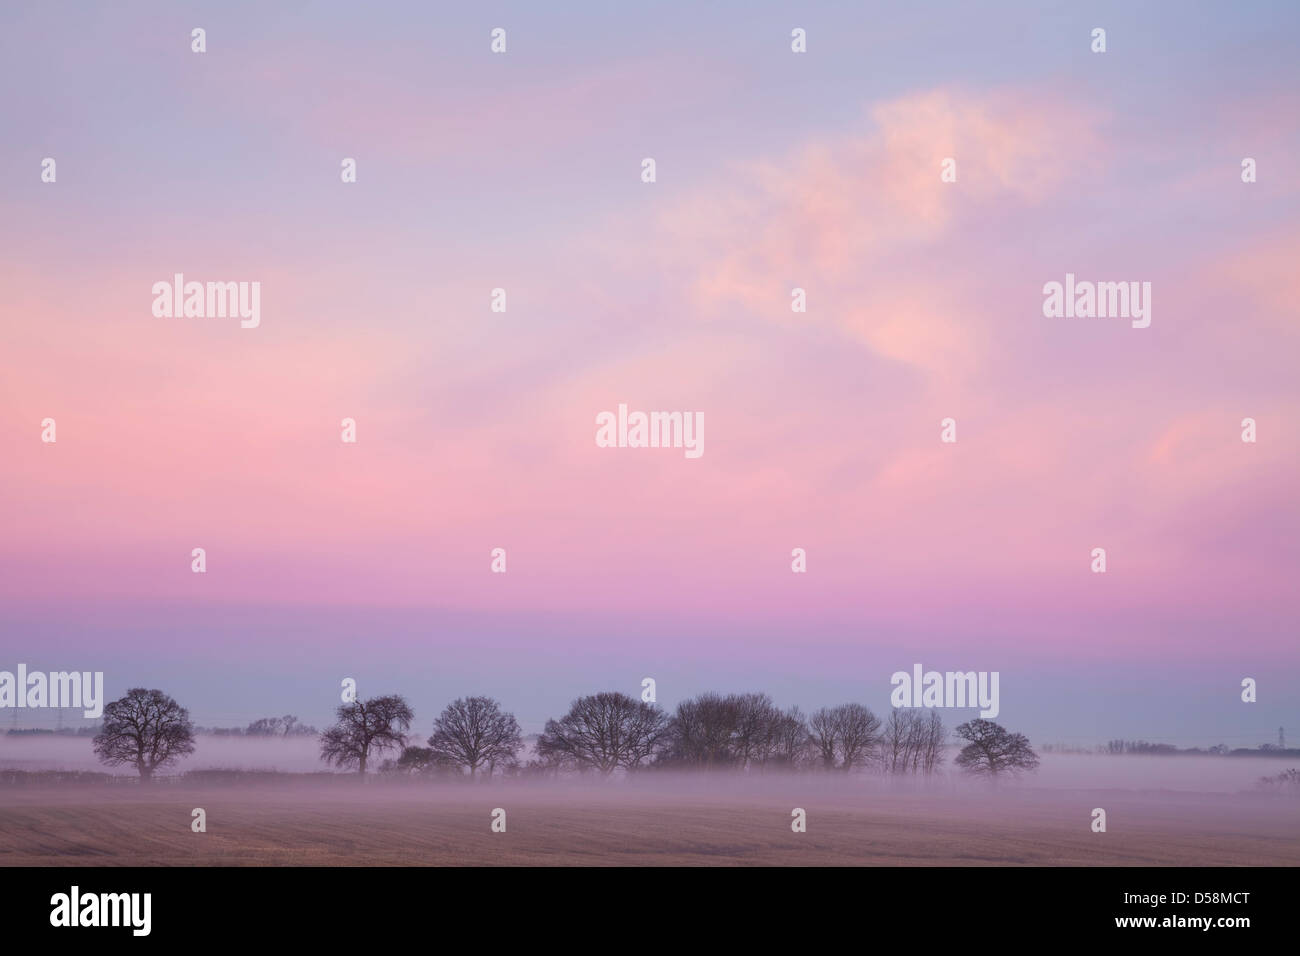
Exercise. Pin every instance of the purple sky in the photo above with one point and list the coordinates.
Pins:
(475, 428)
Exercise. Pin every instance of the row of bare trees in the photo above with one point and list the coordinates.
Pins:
(605, 732)
(912, 741)
(608, 732)
(601, 734)
(472, 735)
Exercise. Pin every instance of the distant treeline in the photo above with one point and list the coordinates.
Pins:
(1144, 748)
(286, 726)
(601, 734)
(60, 732)
(610, 732)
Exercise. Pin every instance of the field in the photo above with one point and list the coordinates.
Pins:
(717, 823)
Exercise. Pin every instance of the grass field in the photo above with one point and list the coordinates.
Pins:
(626, 825)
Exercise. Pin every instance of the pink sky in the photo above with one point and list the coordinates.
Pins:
(822, 429)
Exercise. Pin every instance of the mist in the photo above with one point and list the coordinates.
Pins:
(1204, 774)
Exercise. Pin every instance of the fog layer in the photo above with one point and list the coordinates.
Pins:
(301, 755)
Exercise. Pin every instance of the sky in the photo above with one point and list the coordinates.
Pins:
(475, 429)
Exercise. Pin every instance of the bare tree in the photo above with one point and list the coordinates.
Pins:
(286, 726)
(859, 734)
(912, 741)
(825, 736)
(763, 735)
(933, 735)
(702, 730)
(896, 740)
(845, 736)
(147, 729)
(363, 727)
(752, 733)
(790, 740)
(604, 732)
(993, 750)
(263, 727)
(474, 732)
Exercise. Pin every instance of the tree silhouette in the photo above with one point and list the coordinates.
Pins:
(474, 732)
(604, 732)
(993, 750)
(740, 731)
(702, 732)
(763, 735)
(286, 726)
(912, 741)
(377, 725)
(145, 728)
(847, 736)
